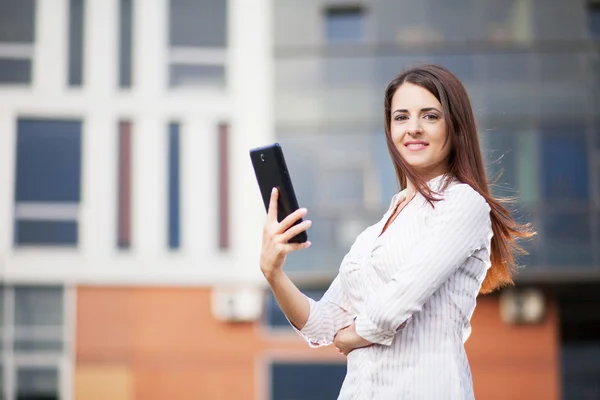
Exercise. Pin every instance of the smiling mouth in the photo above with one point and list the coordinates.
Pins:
(416, 145)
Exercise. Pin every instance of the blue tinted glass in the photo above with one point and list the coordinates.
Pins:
(501, 151)
(567, 227)
(580, 368)
(594, 22)
(565, 172)
(274, 315)
(310, 381)
(388, 182)
(461, 65)
(567, 238)
(15, 71)
(48, 161)
(344, 25)
(41, 233)
(174, 186)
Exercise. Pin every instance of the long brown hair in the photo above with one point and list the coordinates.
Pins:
(465, 164)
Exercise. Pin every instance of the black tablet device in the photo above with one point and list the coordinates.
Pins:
(271, 171)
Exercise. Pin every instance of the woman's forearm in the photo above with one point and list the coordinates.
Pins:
(291, 300)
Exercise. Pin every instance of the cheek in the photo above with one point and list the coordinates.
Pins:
(397, 134)
(442, 141)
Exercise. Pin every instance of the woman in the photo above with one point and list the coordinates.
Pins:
(401, 305)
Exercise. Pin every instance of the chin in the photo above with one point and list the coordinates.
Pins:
(417, 162)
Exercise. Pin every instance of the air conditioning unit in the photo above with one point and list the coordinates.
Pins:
(237, 303)
(522, 306)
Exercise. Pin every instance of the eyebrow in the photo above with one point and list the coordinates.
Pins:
(422, 110)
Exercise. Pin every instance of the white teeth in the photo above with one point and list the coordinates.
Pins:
(415, 144)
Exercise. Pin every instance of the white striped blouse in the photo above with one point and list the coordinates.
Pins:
(412, 290)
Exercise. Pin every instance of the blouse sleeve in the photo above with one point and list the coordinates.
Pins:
(458, 226)
(327, 316)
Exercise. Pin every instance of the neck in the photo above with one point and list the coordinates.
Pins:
(411, 189)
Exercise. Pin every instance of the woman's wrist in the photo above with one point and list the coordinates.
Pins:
(272, 275)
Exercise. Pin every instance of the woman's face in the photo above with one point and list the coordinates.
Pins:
(419, 130)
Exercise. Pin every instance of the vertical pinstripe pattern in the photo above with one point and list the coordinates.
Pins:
(413, 290)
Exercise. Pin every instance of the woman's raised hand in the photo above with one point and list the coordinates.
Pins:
(275, 246)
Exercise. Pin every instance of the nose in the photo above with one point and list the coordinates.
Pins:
(413, 126)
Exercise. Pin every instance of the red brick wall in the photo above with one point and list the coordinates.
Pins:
(157, 343)
(514, 362)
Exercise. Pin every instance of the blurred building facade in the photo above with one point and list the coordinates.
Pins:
(129, 252)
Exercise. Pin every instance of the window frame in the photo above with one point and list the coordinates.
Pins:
(11, 361)
(48, 211)
(195, 56)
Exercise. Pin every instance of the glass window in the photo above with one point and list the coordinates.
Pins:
(38, 306)
(14, 70)
(342, 187)
(501, 152)
(564, 163)
(339, 210)
(48, 182)
(223, 148)
(36, 338)
(124, 185)
(37, 383)
(76, 34)
(567, 237)
(125, 43)
(1, 309)
(344, 24)
(17, 21)
(46, 233)
(198, 23)
(174, 225)
(594, 21)
(48, 161)
(17, 35)
(197, 75)
(197, 41)
(306, 381)
(386, 173)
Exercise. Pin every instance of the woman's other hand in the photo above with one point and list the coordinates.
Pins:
(275, 246)
(347, 340)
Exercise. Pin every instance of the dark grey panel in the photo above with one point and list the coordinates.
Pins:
(15, 71)
(17, 21)
(46, 233)
(198, 23)
(76, 38)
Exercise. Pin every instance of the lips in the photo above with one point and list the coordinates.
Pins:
(416, 145)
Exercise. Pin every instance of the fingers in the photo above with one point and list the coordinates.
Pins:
(294, 230)
(272, 212)
(291, 219)
(297, 246)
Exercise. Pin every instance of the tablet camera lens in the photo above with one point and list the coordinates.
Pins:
(262, 157)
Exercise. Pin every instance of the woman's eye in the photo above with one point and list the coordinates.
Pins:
(431, 117)
(401, 118)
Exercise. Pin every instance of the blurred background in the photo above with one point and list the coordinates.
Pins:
(131, 218)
